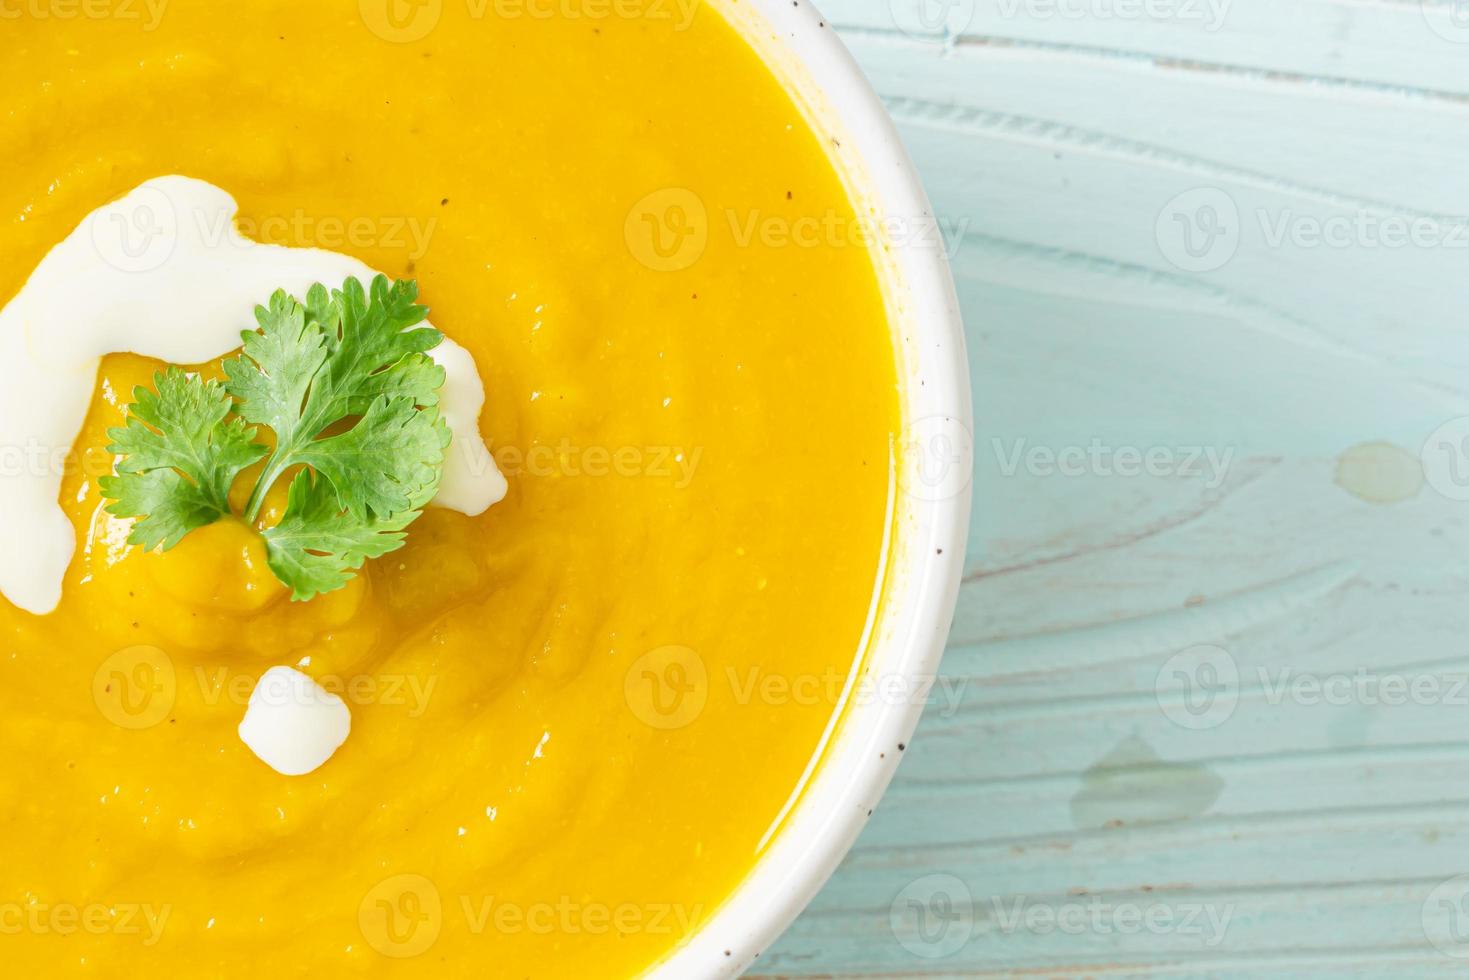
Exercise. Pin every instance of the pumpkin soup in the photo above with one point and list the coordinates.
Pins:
(576, 717)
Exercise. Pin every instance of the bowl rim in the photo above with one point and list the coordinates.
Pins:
(923, 571)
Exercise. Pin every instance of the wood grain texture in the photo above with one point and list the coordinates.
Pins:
(1210, 719)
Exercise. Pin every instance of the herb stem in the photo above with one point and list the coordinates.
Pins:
(274, 467)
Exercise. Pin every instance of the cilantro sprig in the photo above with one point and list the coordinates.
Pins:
(344, 382)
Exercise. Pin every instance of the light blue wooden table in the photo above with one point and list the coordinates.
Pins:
(1212, 642)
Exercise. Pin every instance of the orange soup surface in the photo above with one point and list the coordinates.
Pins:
(577, 718)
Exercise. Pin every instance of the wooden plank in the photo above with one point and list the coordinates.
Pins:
(1399, 45)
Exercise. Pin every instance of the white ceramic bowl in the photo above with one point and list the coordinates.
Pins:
(930, 500)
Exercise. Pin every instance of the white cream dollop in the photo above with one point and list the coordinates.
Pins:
(293, 724)
(163, 272)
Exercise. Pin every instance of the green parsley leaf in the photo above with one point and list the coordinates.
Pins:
(352, 349)
(380, 465)
(345, 384)
(180, 454)
(274, 376)
(316, 545)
